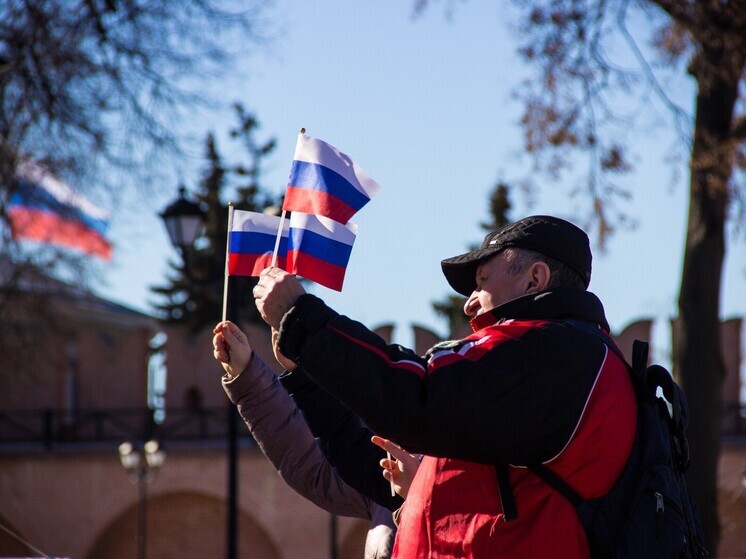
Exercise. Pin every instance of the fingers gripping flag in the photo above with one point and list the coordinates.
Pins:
(326, 182)
(319, 249)
(251, 242)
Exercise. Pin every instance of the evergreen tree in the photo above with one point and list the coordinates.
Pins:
(452, 307)
(499, 208)
(193, 296)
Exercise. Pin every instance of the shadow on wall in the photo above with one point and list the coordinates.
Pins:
(199, 521)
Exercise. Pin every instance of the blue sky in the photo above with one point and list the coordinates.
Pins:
(425, 106)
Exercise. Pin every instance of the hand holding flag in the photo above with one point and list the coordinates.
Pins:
(275, 294)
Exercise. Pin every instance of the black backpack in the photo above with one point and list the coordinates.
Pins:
(648, 512)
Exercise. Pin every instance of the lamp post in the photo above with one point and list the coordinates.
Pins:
(141, 466)
(184, 221)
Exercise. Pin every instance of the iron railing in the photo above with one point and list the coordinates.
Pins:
(50, 429)
(55, 428)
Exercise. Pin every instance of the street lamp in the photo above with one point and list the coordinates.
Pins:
(184, 221)
(141, 466)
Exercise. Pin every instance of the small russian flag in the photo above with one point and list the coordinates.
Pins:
(319, 249)
(251, 242)
(326, 182)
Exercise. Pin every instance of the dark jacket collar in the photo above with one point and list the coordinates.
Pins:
(564, 303)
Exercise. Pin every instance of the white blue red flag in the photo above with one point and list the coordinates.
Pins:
(47, 210)
(326, 182)
(319, 248)
(251, 243)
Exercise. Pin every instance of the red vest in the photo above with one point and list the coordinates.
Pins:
(453, 506)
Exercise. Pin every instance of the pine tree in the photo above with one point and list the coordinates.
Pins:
(452, 307)
(193, 296)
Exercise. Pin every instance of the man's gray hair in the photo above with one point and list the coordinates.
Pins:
(519, 259)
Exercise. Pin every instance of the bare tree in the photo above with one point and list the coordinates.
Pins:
(581, 104)
(93, 91)
(86, 85)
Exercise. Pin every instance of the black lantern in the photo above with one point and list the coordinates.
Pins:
(184, 221)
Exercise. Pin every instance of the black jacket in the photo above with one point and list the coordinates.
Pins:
(518, 402)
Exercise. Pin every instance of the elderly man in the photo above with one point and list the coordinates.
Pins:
(530, 385)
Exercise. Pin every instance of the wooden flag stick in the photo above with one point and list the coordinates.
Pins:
(393, 491)
(227, 256)
(277, 240)
(279, 229)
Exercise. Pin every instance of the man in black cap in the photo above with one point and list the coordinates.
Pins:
(530, 385)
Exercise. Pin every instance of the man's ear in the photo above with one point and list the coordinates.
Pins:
(537, 278)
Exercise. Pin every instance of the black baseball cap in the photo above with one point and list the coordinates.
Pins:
(551, 236)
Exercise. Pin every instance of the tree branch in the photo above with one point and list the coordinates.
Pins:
(679, 12)
(739, 128)
(679, 113)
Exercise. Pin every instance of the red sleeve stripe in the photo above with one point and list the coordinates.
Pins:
(410, 366)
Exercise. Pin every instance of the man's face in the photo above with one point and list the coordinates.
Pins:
(495, 286)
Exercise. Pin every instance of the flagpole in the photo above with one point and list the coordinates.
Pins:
(279, 236)
(231, 543)
(391, 482)
(227, 256)
(282, 222)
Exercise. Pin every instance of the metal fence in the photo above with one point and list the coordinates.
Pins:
(56, 428)
(48, 429)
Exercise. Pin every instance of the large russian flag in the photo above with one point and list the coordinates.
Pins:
(319, 249)
(47, 210)
(251, 243)
(324, 181)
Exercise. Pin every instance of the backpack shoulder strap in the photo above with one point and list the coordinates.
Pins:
(507, 499)
(557, 483)
(640, 348)
(639, 355)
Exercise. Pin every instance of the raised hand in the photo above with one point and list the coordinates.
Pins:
(401, 469)
(231, 348)
(275, 294)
